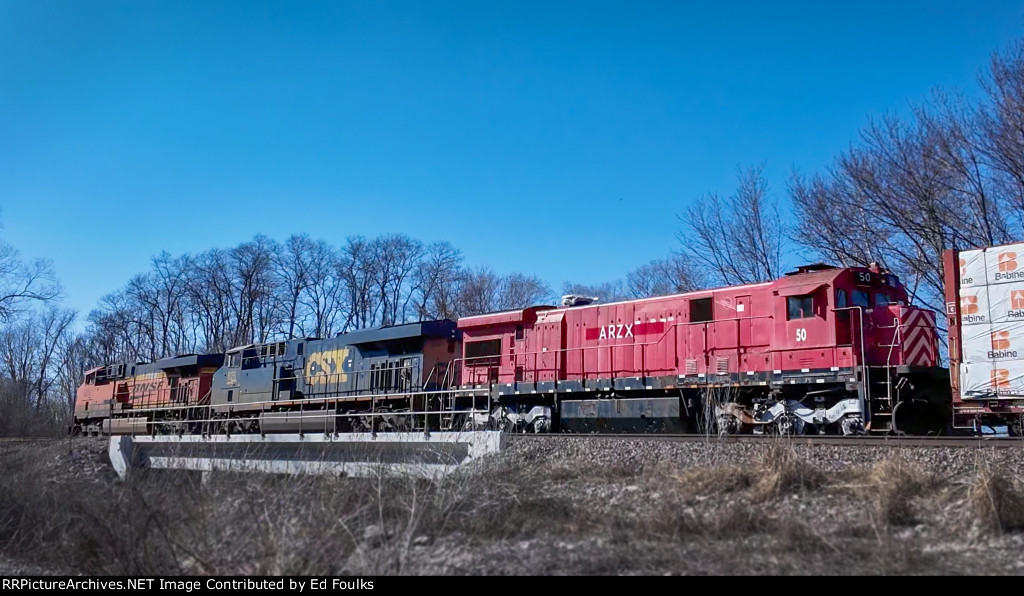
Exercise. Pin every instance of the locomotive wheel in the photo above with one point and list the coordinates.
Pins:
(727, 424)
(1015, 427)
(916, 417)
(784, 426)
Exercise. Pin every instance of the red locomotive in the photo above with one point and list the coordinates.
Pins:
(823, 349)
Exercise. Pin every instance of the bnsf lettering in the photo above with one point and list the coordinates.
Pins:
(616, 332)
(1010, 276)
(145, 388)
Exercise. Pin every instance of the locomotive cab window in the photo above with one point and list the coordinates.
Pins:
(799, 307)
(700, 310)
(861, 298)
(881, 299)
(841, 299)
(483, 353)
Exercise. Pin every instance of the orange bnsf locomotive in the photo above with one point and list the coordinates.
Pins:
(821, 350)
(124, 398)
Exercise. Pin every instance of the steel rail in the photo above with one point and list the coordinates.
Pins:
(856, 441)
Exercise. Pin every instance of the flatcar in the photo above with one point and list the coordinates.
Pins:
(984, 299)
(820, 350)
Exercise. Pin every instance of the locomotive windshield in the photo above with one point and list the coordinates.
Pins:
(860, 298)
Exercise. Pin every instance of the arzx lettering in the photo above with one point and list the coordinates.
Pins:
(616, 331)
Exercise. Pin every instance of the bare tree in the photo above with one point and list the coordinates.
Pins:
(671, 275)
(517, 290)
(23, 283)
(736, 240)
(323, 298)
(357, 270)
(1000, 123)
(28, 349)
(436, 282)
(397, 259)
(478, 292)
(291, 270)
(608, 291)
(907, 191)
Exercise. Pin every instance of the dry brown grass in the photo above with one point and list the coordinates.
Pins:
(780, 470)
(995, 500)
(777, 471)
(893, 484)
(491, 518)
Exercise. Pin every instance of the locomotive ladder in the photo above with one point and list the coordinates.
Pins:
(446, 399)
(887, 401)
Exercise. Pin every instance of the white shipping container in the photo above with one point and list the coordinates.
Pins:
(974, 308)
(972, 268)
(1005, 302)
(1004, 264)
(977, 343)
(976, 380)
(1008, 378)
(1006, 341)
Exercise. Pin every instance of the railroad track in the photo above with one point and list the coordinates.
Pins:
(31, 439)
(852, 441)
(861, 441)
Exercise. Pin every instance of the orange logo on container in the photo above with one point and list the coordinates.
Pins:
(1016, 299)
(963, 267)
(1007, 261)
(1000, 378)
(1000, 340)
(969, 305)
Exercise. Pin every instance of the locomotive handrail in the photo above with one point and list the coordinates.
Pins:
(315, 400)
(311, 415)
(866, 377)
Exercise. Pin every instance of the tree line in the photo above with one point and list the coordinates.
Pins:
(264, 290)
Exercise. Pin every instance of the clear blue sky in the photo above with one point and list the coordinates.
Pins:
(554, 138)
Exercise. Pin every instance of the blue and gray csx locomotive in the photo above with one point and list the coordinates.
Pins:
(329, 385)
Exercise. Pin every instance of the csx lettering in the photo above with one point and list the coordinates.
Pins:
(616, 331)
(324, 367)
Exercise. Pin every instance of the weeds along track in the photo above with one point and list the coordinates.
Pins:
(869, 441)
(32, 439)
